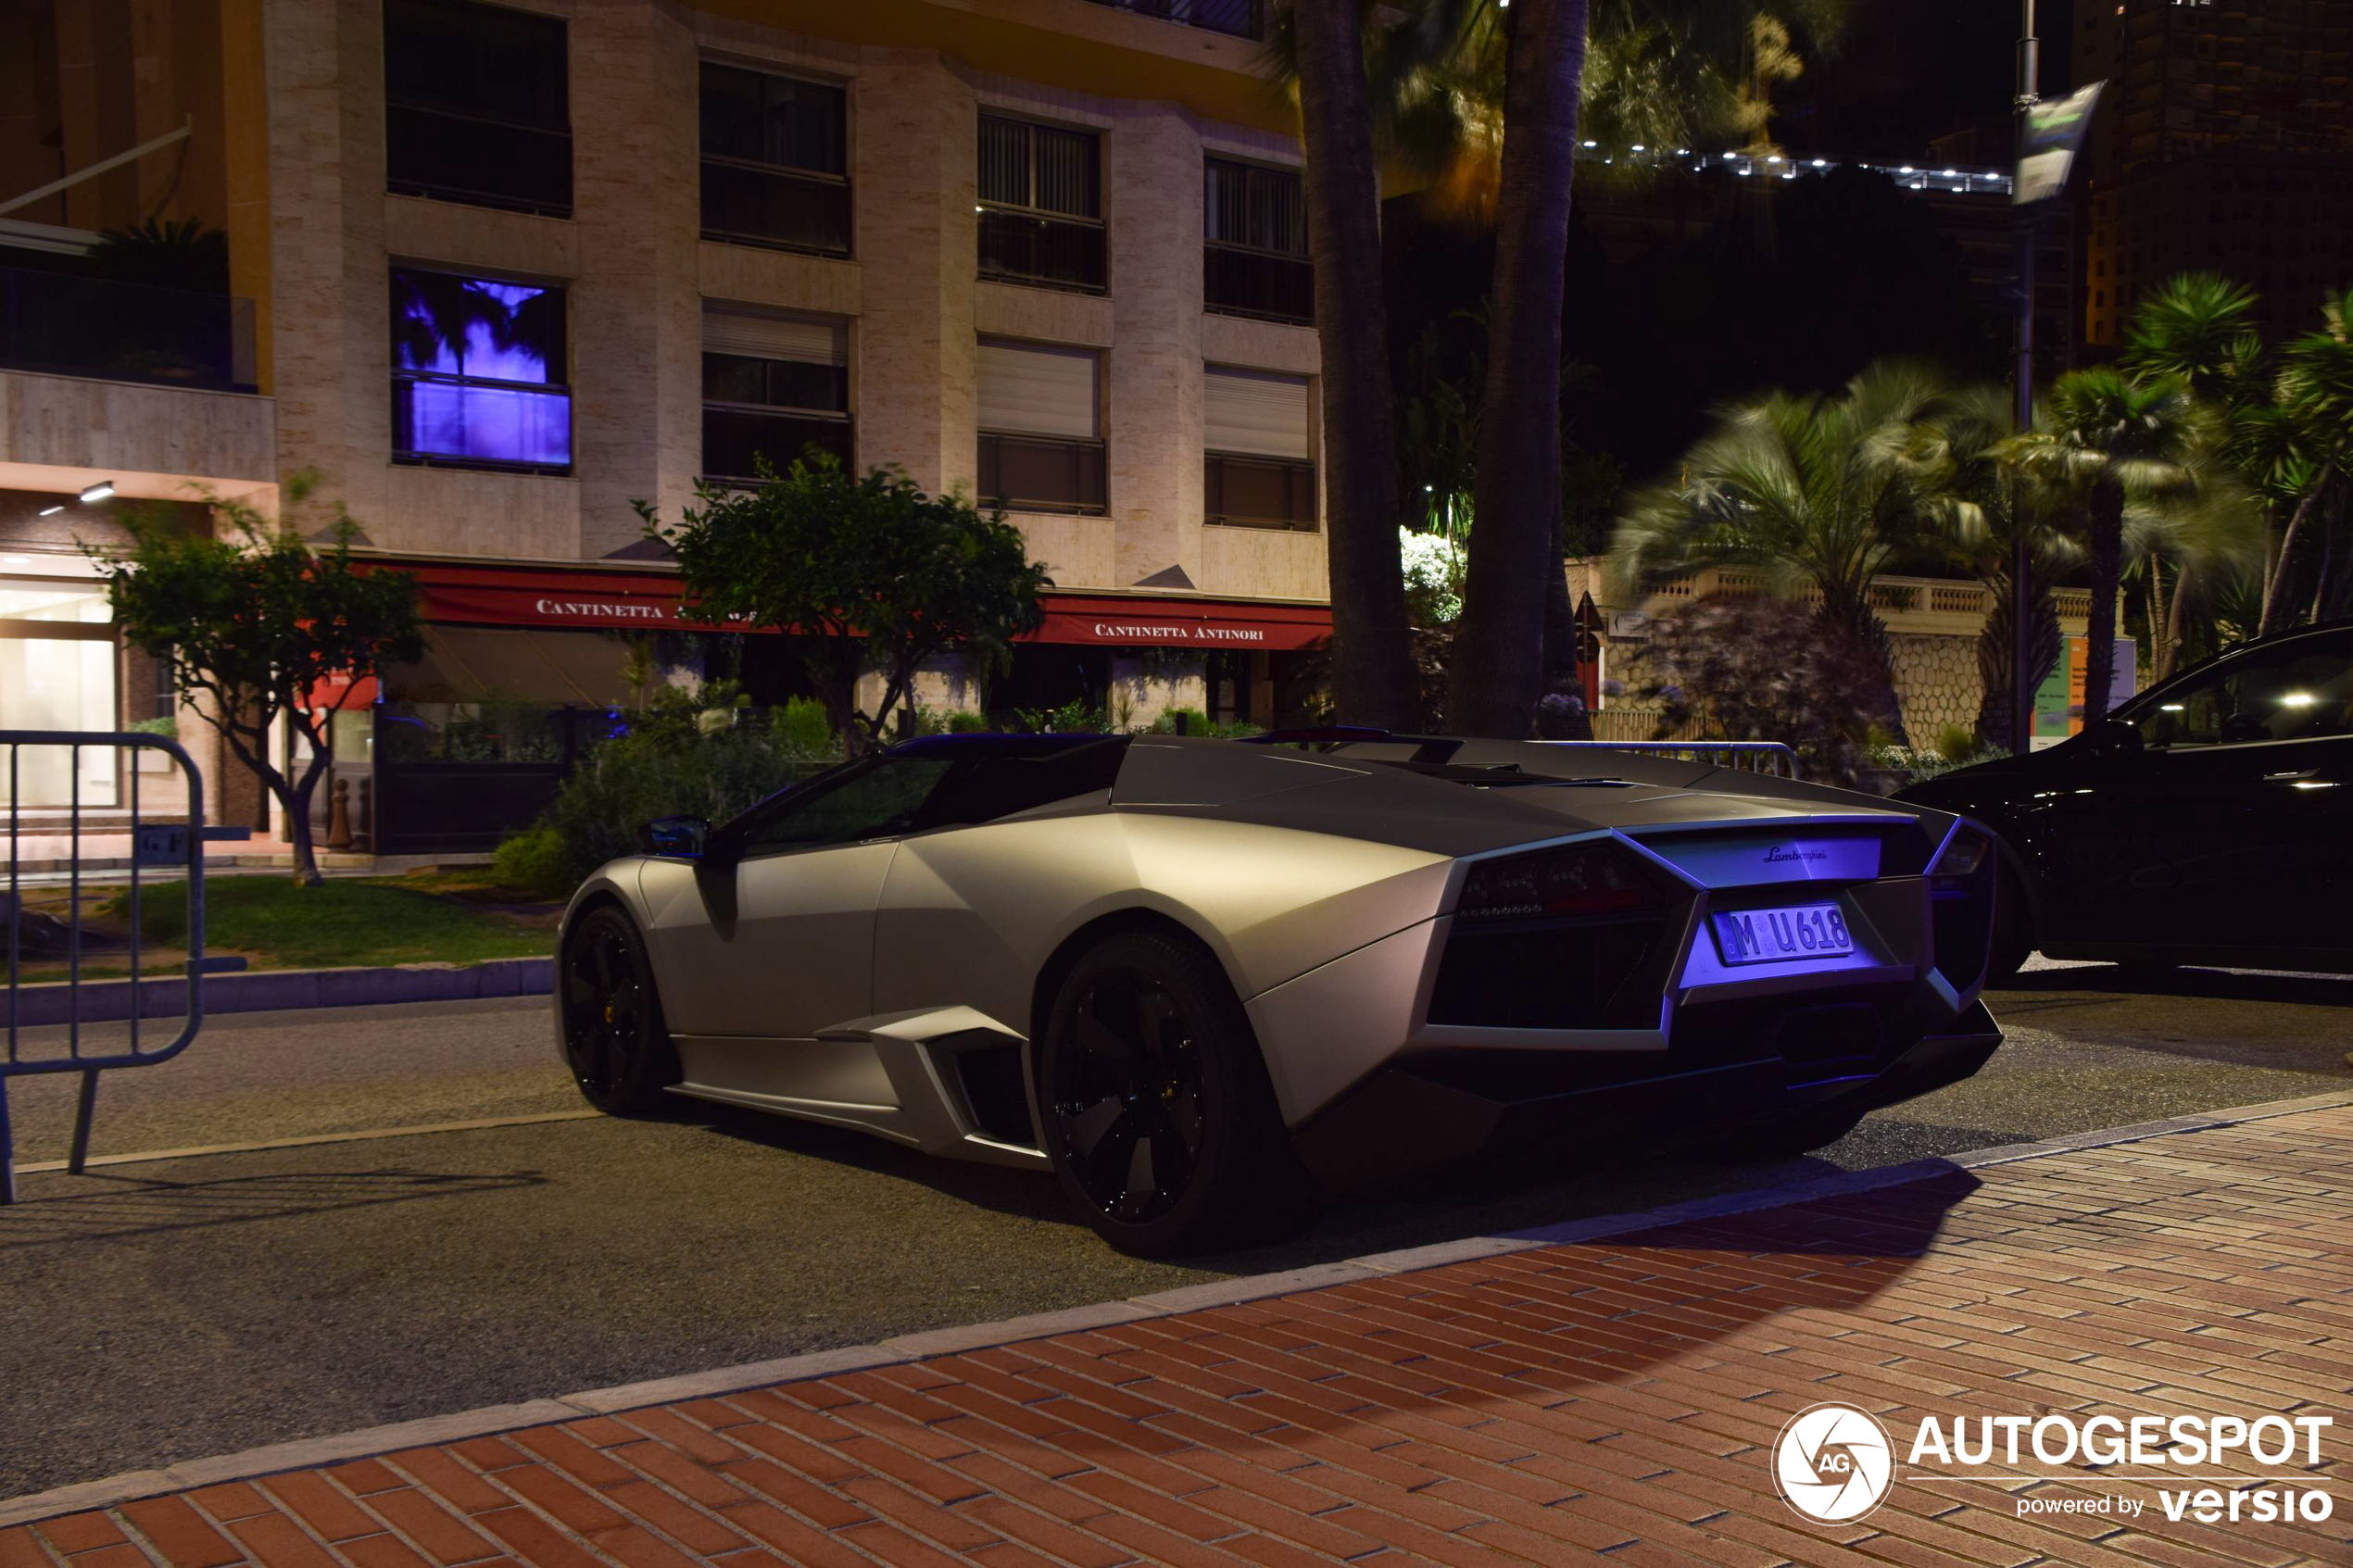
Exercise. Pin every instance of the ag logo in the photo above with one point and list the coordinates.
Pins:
(1834, 1463)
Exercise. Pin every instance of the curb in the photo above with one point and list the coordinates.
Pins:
(304, 1453)
(274, 990)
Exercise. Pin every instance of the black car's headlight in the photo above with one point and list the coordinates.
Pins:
(1578, 879)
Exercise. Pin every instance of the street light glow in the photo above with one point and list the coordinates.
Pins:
(52, 512)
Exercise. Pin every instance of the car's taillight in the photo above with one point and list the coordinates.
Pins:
(1964, 854)
(1579, 879)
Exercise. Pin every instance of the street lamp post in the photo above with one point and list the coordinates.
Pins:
(2022, 558)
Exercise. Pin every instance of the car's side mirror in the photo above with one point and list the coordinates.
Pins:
(2113, 737)
(676, 838)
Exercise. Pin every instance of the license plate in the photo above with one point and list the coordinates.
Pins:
(1800, 931)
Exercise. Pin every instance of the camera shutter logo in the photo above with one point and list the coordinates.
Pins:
(1834, 1463)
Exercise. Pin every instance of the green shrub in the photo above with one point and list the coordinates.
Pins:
(533, 860)
(962, 723)
(803, 728)
(1956, 741)
(668, 764)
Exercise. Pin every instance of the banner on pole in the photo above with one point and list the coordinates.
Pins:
(2052, 135)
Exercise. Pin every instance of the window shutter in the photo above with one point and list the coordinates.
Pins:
(1038, 391)
(758, 335)
(1256, 412)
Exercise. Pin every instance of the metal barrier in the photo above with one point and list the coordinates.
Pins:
(177, 842)
(1768, 757)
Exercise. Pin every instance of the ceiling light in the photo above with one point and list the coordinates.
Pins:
(99, 491)
(1592, 144)
(52, 512)
(14, 560)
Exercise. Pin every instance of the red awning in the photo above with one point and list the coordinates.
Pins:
(500, 596)
(1119, 619)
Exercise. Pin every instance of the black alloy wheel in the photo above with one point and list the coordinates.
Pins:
(1128, 1097)
(1160, 1119)
(614, 1039)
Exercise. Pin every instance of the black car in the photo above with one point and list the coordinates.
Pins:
(2208, 821)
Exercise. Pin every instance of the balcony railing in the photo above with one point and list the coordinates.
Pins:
(1043, 473)
(748, 204)
(1247, 492)
(1240, 281)
(1236, 19)
(59, 324)
(734, 436)
(482, 162)
(1023, 249)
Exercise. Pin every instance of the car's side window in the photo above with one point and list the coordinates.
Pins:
(879, 801)
(2297, 692)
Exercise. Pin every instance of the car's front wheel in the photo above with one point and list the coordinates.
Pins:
(1160, 1119)
(614, 1039)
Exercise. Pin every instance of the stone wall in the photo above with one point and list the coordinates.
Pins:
(1936, 684)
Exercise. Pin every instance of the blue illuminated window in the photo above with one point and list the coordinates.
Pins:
(478, 373)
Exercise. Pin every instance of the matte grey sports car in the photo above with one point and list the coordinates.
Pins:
(1201, 979)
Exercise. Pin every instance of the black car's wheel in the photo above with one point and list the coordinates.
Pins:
(1159, 1115)
(1782, 1139)
(615, 1042)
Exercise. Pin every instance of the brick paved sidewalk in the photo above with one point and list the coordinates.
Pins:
(1618, 1397)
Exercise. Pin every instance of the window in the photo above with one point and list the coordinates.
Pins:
(1254, 224)
(2300, 690)
(1041, 428)
(772, 385)
(1042, 210)
(874, 799)
(775, 161)
(1259, 451)
(478, 373)
(477, 106)
(57, 672)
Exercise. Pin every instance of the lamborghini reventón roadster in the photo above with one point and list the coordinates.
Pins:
(1201, 979)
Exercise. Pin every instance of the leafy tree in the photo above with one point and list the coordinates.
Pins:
(250, 621)
(2107, 441)
(869, 571)
(1763, 668)
(1812, 494)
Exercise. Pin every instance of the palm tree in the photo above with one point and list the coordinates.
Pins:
(1496, 671)
(1964, 487)
(2108, 439)
(2315, 395)
(1813, 494)
(2200, 326)
(2209, 535)
(1371, 661)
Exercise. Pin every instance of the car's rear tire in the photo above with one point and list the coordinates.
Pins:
(614, 1039)
(1159, 1116)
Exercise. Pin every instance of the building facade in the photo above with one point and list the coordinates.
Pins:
(514, 268)
(2224, 143)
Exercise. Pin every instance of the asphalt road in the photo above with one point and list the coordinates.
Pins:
(171, 1309)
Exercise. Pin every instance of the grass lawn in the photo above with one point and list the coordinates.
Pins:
(278, 926)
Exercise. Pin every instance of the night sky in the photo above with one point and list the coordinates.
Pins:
(1906, 70)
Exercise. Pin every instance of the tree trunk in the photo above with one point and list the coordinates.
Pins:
(2107, 565)
(2176, 624)
(1515, 544)
(1997, 652)
(2275, 596)
(1371, 660)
